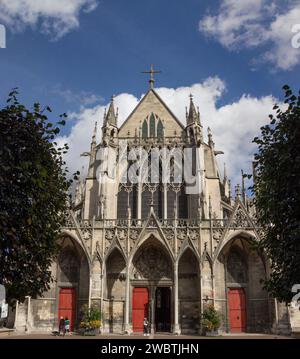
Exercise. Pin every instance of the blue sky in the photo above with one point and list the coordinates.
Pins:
(106, 44)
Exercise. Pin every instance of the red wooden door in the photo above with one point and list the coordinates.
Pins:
(237, 310)
(67, 305)
(140, 303)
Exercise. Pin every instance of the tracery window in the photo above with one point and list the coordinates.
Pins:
(69, 266)
(236, 267)
(152, 127)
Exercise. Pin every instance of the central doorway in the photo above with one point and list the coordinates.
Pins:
(163, 309)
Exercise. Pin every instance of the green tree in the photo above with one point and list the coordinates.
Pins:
(33, 197)
(277, 195)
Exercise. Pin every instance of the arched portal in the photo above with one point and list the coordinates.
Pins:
(152, 286)
(242, 269)
(115, 291)
(189, 292)
(72, 281)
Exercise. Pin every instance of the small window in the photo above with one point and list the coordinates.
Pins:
(145, 129)
(160, 129)
(152, 125)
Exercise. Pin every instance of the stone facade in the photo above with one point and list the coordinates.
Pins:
(188, 250)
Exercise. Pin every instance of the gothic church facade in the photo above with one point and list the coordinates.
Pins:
(139, 250)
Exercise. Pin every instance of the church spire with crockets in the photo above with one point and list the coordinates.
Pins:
(193, 124)
(193, 116)
(110, 117)
(109, 128)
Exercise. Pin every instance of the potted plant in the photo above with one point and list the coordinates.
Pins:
(211, 321)
(90, 322)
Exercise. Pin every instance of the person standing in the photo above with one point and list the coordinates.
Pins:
(67, 326)
(146, 327)
(61, 327)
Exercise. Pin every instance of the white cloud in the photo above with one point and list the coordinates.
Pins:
(80, 135)
(83, 98)
(253, 23)
(233, 125)
(54, 17)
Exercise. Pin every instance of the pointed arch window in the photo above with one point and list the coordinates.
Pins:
(152, 125)
(145, 129)
(236, 267)
(69, 266)
(160, 129)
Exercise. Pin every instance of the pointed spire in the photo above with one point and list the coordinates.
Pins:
(94, 134)
(229, 191)
(237, 191)
(243, 187)
(225, 172)
(110, 116)
(193, 115)
(210, 139)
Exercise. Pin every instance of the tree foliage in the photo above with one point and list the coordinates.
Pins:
(277, 195)
(211, 319)
(33, 197)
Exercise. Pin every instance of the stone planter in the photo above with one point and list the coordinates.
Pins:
(212, 333)
(91, 332)
(88, 332)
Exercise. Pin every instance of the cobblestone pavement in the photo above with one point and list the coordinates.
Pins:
(155, 336)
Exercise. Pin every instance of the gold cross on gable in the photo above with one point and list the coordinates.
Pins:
(151, 72)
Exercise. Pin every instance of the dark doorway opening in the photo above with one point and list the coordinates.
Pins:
(163, 309)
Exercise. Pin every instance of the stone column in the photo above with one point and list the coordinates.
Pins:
(127, 327)
(201, 300)
(103, 277)
(28, 318)
(165, 211)
(16, 315)
(152, 303)
(139, 201)
(176, 328)
(90, 289)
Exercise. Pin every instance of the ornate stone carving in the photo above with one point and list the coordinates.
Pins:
(169, 233)
(193, 234)
(152, 264)
(134, 234)
(69, 221)
(217, 234)
(109, 234)
(86, 233)
(122, 234)
(152, 222)
(240, 219)
(181, 234)
(220, 222)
